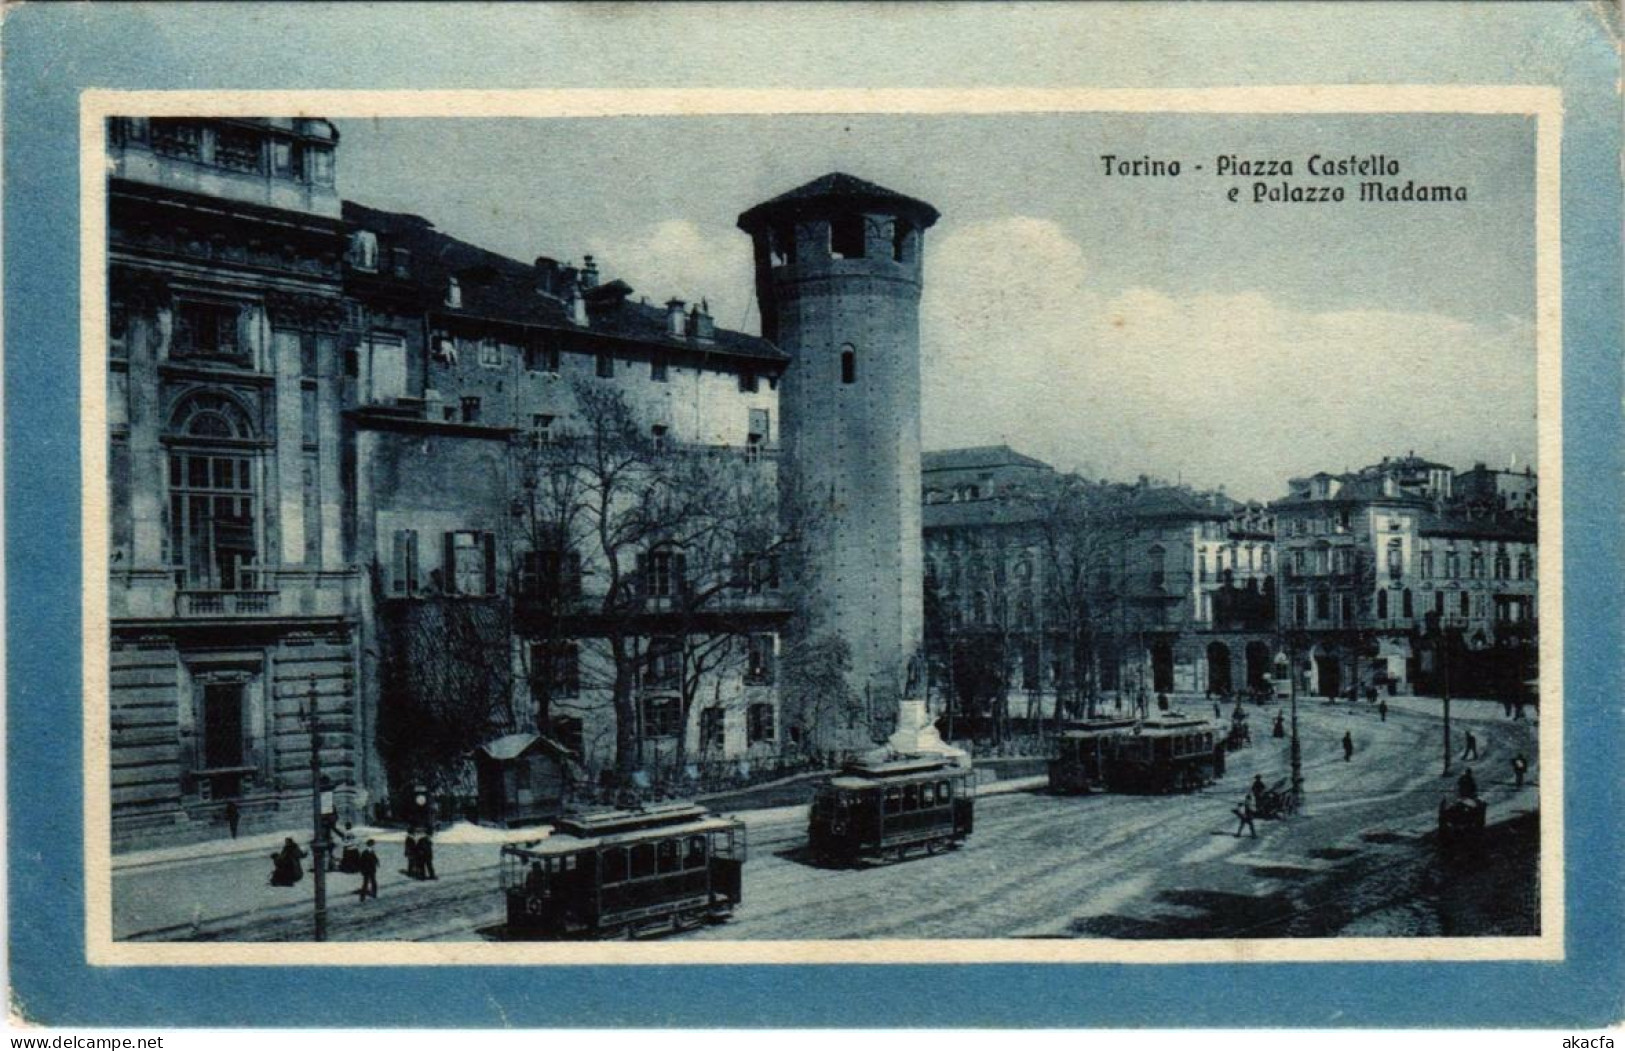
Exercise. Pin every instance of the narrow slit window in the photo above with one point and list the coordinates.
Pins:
(849, 364)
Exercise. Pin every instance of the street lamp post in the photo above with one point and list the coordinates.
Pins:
(1444, 675)
(1297, 751)
(318, 843)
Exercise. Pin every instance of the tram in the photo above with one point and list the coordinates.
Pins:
(1171, 753)
(878, 811)
(1083, 752)
(625, 873)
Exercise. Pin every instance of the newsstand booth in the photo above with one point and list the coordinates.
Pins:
(522, 779)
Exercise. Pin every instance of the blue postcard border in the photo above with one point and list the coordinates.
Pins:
(53, 54)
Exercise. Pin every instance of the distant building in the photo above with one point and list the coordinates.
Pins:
(231, 594)
(1158, 589)
(1375, 561)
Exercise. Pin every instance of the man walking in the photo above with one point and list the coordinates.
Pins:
(1520, 766)
(1382, 710)
(1471, 750)
(369, 872)
(1348, 746)
(1245, 813)
(233, 815)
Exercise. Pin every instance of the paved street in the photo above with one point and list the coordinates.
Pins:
(1036, 866)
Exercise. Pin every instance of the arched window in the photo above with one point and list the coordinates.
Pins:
(1382, 605)
(214, 514)
(849, 363)
(1396, 559)
(1156, 558)
(1464, 603)
(1407, 604)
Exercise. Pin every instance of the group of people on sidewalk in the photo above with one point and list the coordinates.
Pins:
(288, 869)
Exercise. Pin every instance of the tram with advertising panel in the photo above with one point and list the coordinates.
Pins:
(625, 873)
(886, 810)
(1083, 753)
(1170, 753)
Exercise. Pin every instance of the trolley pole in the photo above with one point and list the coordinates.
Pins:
(318, 842)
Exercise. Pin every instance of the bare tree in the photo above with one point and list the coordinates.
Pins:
(1082, 530)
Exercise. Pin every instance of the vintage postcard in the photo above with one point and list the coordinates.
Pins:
(614, 526)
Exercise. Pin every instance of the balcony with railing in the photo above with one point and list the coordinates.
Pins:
(199, 602)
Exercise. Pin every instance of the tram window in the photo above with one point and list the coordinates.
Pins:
(614, 864)
(911, 797)
(669, 855)
(569, 862)
(696, 853)
(643, 860)
(945, 791)
(894, 800)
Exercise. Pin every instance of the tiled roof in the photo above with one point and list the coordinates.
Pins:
(495, 287)
(977, 456)
(815, 196)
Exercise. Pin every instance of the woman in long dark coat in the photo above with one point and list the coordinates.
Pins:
(287, 866)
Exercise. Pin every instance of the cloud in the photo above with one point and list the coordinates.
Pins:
(1232, 389)
(677, 258)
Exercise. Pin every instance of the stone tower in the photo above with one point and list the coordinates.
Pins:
(838, 266)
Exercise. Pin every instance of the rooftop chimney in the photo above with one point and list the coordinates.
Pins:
(589, 272)
(547, 275)
(578, 305)
(700, 325)
(676, 327)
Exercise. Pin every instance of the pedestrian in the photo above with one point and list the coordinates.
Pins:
(1258, 791)
(349, 856)
(286, 867)
(1382, 710)
(1471, 749)
(426, 857)
(1348, 746)
(1279, 729)
(1162, 702)
(1244, 815)
(368, 864)
(1467, 786)
(1506, 707)
(1371, 693)
(233, 815)
(1218, 713)
(414, 867)
(1520, 766)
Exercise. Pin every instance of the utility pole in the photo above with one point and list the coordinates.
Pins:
(1444, 675)
(1297, 752)
(318, 842)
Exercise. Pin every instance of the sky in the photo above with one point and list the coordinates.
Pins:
(1108, 324)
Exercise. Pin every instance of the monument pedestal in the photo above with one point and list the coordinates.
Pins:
(917, 735)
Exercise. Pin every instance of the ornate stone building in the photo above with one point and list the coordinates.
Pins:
(231, 597)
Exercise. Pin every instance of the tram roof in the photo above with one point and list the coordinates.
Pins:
(560, 843)
(1175, 723)
(1082, 731)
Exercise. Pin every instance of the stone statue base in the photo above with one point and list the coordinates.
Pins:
(916, 734)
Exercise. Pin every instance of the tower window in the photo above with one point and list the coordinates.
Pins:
(782, 245)
(747, 381)
(846, 237)
(849, 364)
(899, 241)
